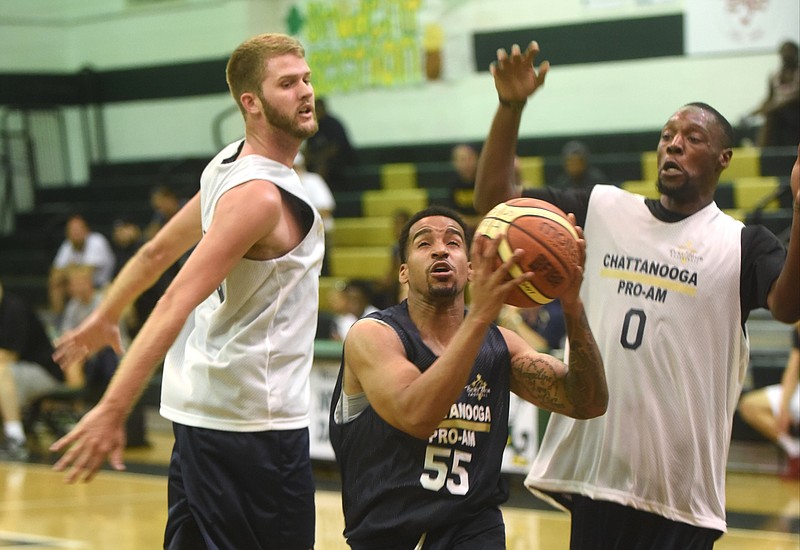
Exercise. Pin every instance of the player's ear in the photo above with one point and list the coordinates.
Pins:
(402, 276)
(469, 272)
(725, 158)
(249, 102)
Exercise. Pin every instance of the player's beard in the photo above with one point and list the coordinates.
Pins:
(286, 122)
(680, 193)
(439, 291)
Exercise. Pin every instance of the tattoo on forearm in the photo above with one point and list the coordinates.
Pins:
(538, 379)
(585, 383)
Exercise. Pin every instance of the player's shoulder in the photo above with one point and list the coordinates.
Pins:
(756, 236)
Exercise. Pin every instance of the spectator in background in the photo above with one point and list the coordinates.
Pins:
(126, 241)
(781, 108)
(126, 238)
(775, 410)
(577, 167)
(82, 246)
(548, 321)
(322, 199)
(464, 160)
(329, 152)
(165, 204)
(95, 371)
(350, 302)
(27, 370)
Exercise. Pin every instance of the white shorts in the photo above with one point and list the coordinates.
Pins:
(32, 381)
(774, 394)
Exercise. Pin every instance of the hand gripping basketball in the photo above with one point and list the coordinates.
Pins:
(550, 243)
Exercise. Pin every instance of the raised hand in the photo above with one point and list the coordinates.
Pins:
(515, 77)
(490, 280)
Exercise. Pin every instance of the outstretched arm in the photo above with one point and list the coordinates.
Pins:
(101, 327)
(784, 296)
(515, 80)
(243, 216)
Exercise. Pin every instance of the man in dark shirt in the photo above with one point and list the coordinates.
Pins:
(27, 370)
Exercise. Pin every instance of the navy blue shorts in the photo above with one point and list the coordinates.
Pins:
(602, 525)
(483, 531)
(229, 490)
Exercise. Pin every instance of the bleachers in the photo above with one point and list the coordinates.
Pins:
(388, 179)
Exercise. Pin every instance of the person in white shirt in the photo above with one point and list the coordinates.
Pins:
(321, 197)
(82, 246)
(235, 328)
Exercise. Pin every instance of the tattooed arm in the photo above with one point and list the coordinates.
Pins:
(579, 389)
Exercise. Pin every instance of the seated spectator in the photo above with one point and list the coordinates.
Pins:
(322, 199)
(464, 159)
(774, 411)
(329, 152)
(511, 318)
(548, 321)
(96, 372)
(165, 204)
(82, 246)
(27, 370)
(577, 167)
(350, 302)
(781, 108)
(126, 240)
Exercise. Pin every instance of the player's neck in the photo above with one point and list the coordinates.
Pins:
(280, 148)
(437, 321)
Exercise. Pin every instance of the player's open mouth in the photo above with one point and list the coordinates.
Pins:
(671, 168)
(441, 268)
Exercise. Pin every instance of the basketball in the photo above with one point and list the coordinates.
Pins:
(550, 243)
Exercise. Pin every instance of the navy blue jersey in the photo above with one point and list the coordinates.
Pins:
(396, 487)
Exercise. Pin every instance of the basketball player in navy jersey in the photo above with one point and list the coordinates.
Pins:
(236, 325)
(668, 287)
(419, 415)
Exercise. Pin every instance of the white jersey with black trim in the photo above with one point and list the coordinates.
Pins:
(243, 359)
(663, 303)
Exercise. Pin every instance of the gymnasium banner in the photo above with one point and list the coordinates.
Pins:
(360, 44)
(726, 26)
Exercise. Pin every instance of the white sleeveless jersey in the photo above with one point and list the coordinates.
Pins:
(243, 359)
(663, 303)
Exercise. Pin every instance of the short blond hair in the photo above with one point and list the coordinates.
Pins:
(247, 65)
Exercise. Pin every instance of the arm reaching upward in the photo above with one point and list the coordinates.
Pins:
(515, 79)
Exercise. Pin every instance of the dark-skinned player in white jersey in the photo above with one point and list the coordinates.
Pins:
(668, 286)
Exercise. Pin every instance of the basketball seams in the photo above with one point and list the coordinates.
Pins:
(515, 212)
(556, 253)
(548, 239)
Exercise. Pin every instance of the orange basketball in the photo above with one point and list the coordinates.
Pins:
(550, 243)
